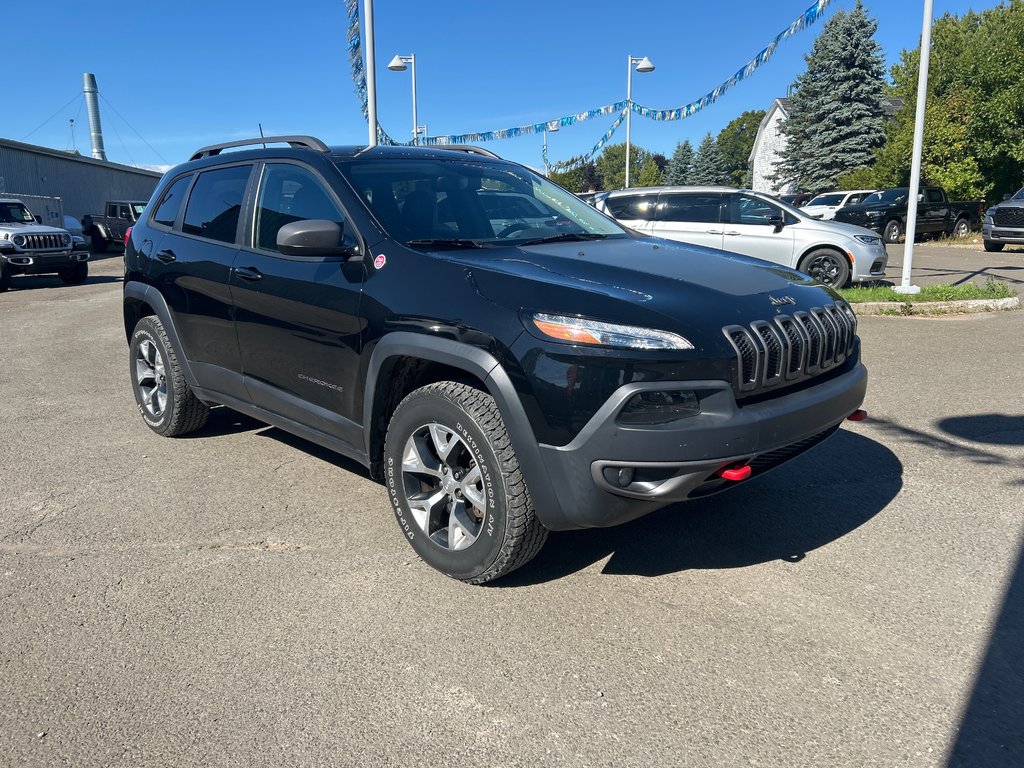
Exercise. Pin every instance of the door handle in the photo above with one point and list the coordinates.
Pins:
(714, 232)
(733, 232)
(248, 273)
(166, 256)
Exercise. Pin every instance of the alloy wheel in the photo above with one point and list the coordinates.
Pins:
(150, 378)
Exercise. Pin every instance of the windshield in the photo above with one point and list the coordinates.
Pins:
(1019, 195)
(887, 196)
(833, 199)
(15, 213)
(471, 203)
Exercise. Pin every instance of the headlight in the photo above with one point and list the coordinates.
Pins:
(874, 214)
(869, 239)
(576, 330)
(19, 240)
(66, 239)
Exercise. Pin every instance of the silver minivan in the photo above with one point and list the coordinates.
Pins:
(753, 224)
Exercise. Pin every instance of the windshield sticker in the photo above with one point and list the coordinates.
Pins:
(380, 261)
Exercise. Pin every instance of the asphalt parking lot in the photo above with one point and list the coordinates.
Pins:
(242, 597)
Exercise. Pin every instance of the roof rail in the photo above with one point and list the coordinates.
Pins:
(306, 142)
(466, 148)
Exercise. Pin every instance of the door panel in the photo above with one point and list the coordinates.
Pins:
(749, 232)
(691, 217)
(298, 317)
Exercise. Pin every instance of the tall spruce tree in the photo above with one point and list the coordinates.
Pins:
(708, 166)
(679, 170)
(836, 122)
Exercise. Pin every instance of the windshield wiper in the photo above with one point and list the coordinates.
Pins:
(566, 237)
(446, 242)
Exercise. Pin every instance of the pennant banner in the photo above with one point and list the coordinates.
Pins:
(355, 52)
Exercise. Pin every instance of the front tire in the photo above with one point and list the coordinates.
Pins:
(5, 279)
(165, 400)
(826, 266)
(893, 231)
(75, 275)
(455, 484)
(993, 247)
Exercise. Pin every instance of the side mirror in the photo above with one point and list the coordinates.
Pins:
(777, 222)
(920, 197)
(1006, 196)
(311, 237)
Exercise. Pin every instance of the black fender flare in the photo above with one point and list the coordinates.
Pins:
(487, 369)
(151, 296)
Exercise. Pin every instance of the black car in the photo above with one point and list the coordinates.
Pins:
(501, 378)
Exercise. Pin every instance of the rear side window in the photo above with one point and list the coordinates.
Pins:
(632, 206)
(934, 196)
(170, 204)
(215, 203)
(690, 207)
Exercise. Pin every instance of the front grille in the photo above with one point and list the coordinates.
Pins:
(852, 217)
(1009, 217)
(789, 348)
(44, 243)
(762, 463)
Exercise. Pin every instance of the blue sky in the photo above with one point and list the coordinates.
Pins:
(176, 76)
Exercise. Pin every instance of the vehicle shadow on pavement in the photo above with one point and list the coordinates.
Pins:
(991, 731)
(801, 506)
(32, 282)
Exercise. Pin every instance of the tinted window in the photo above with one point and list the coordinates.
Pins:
(167, 212)
(934, 195)
(290, 193)
(854, 199)
(215, 203)
(122, 211)
(690, 207)
(632, 206)
(745, 209)
(829, 199)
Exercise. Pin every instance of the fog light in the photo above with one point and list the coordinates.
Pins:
(659, 407)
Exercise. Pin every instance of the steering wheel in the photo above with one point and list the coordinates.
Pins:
(512, 228)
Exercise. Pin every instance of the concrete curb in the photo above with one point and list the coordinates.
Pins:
(935, 307)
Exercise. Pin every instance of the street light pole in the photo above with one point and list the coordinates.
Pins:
(553, 127)
(398, 64)
(371, 73)
(915, 163)
(642, 65)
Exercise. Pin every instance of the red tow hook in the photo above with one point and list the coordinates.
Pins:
(858, 415)
(735, 474)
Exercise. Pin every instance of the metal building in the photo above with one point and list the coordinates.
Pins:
(83, 184)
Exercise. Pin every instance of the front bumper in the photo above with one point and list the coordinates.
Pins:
(998, 234)
(37, 263)
(869, 262)
(681, 460)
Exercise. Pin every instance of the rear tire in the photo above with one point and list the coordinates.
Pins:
(893, 231)
(455, 484)
(165, 400)
(99, 243)
(993, 247)
(962, 228)
(75, 275)
(826, 266)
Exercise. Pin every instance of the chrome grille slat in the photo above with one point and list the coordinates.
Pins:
(44, 242)
(792, 347)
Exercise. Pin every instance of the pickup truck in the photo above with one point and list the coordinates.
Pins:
(885, 212)
(109, 228)
(1004, 223)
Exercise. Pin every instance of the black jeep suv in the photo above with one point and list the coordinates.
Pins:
(501, 377)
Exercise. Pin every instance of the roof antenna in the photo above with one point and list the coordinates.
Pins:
(261, 134)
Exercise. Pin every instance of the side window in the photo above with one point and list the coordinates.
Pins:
(122, 211)
(704, 208)
(111, 211)
(632, 206)
(215, 203)
(745, 209)
(934, 196)
(853, 199)
(290, 193)
(170, 204)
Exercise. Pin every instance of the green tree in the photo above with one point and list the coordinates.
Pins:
(735, 142)
(708, 166)
(836, 122)
(611, 165)
(975, 110)
(650, 175)
(679, 170)
(582, 179)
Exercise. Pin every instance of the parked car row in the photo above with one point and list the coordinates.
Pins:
(752, 224)
(886, 211)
